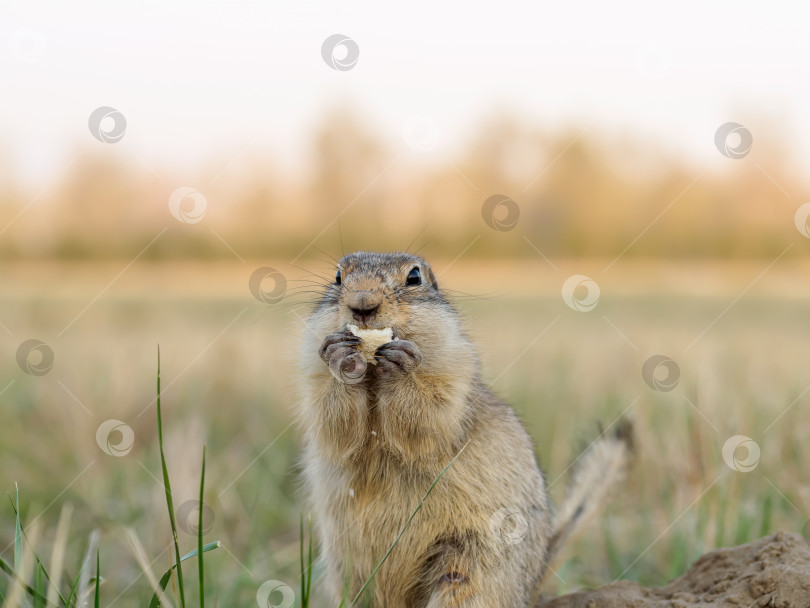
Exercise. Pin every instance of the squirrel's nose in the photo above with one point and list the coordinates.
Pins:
(363, 314)
(364, 305)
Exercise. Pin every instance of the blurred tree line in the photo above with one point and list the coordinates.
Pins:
(578, 193)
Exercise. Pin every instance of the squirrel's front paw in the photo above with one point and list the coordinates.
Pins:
(340, 352)
(396, 359)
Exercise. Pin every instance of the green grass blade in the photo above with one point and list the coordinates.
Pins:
(767, 516)
(73, 587)
(405, 527)
(309, 557)
(18, 542)
(720, 520)
(304, 602)
(306, 565)
(85, 585)
(98, 576)
(200, 551)
(6, 567)
(47, 576)
(168, 490)
(164, 580)
(206, 548)
(39, 585)
(742, 533)
(38, 565)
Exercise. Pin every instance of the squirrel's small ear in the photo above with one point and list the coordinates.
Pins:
(432, 277)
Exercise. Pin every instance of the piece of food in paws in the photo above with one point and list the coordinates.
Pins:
(372, 340)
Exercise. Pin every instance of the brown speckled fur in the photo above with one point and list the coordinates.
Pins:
(372, 449)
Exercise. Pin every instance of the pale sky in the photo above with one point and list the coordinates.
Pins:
(198, 81)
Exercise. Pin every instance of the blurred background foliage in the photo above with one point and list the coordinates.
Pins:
(582, 192)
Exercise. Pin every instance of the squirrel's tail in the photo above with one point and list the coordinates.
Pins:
(595, 473)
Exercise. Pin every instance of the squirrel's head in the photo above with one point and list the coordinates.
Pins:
(397, 291)
(380, 290)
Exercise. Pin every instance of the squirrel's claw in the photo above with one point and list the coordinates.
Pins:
(340, 352)
(397, 358)
(336, 339)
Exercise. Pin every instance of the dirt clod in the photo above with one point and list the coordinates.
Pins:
(773, 571)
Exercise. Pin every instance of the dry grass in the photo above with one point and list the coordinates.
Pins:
(227, 375)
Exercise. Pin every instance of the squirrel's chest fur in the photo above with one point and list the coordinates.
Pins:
(365, 502)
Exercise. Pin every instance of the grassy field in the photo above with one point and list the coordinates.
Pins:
(741, 345)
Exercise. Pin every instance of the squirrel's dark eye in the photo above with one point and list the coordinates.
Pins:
(414, 278)
(337, 278)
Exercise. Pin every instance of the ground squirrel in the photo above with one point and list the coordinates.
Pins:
(378, 430)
